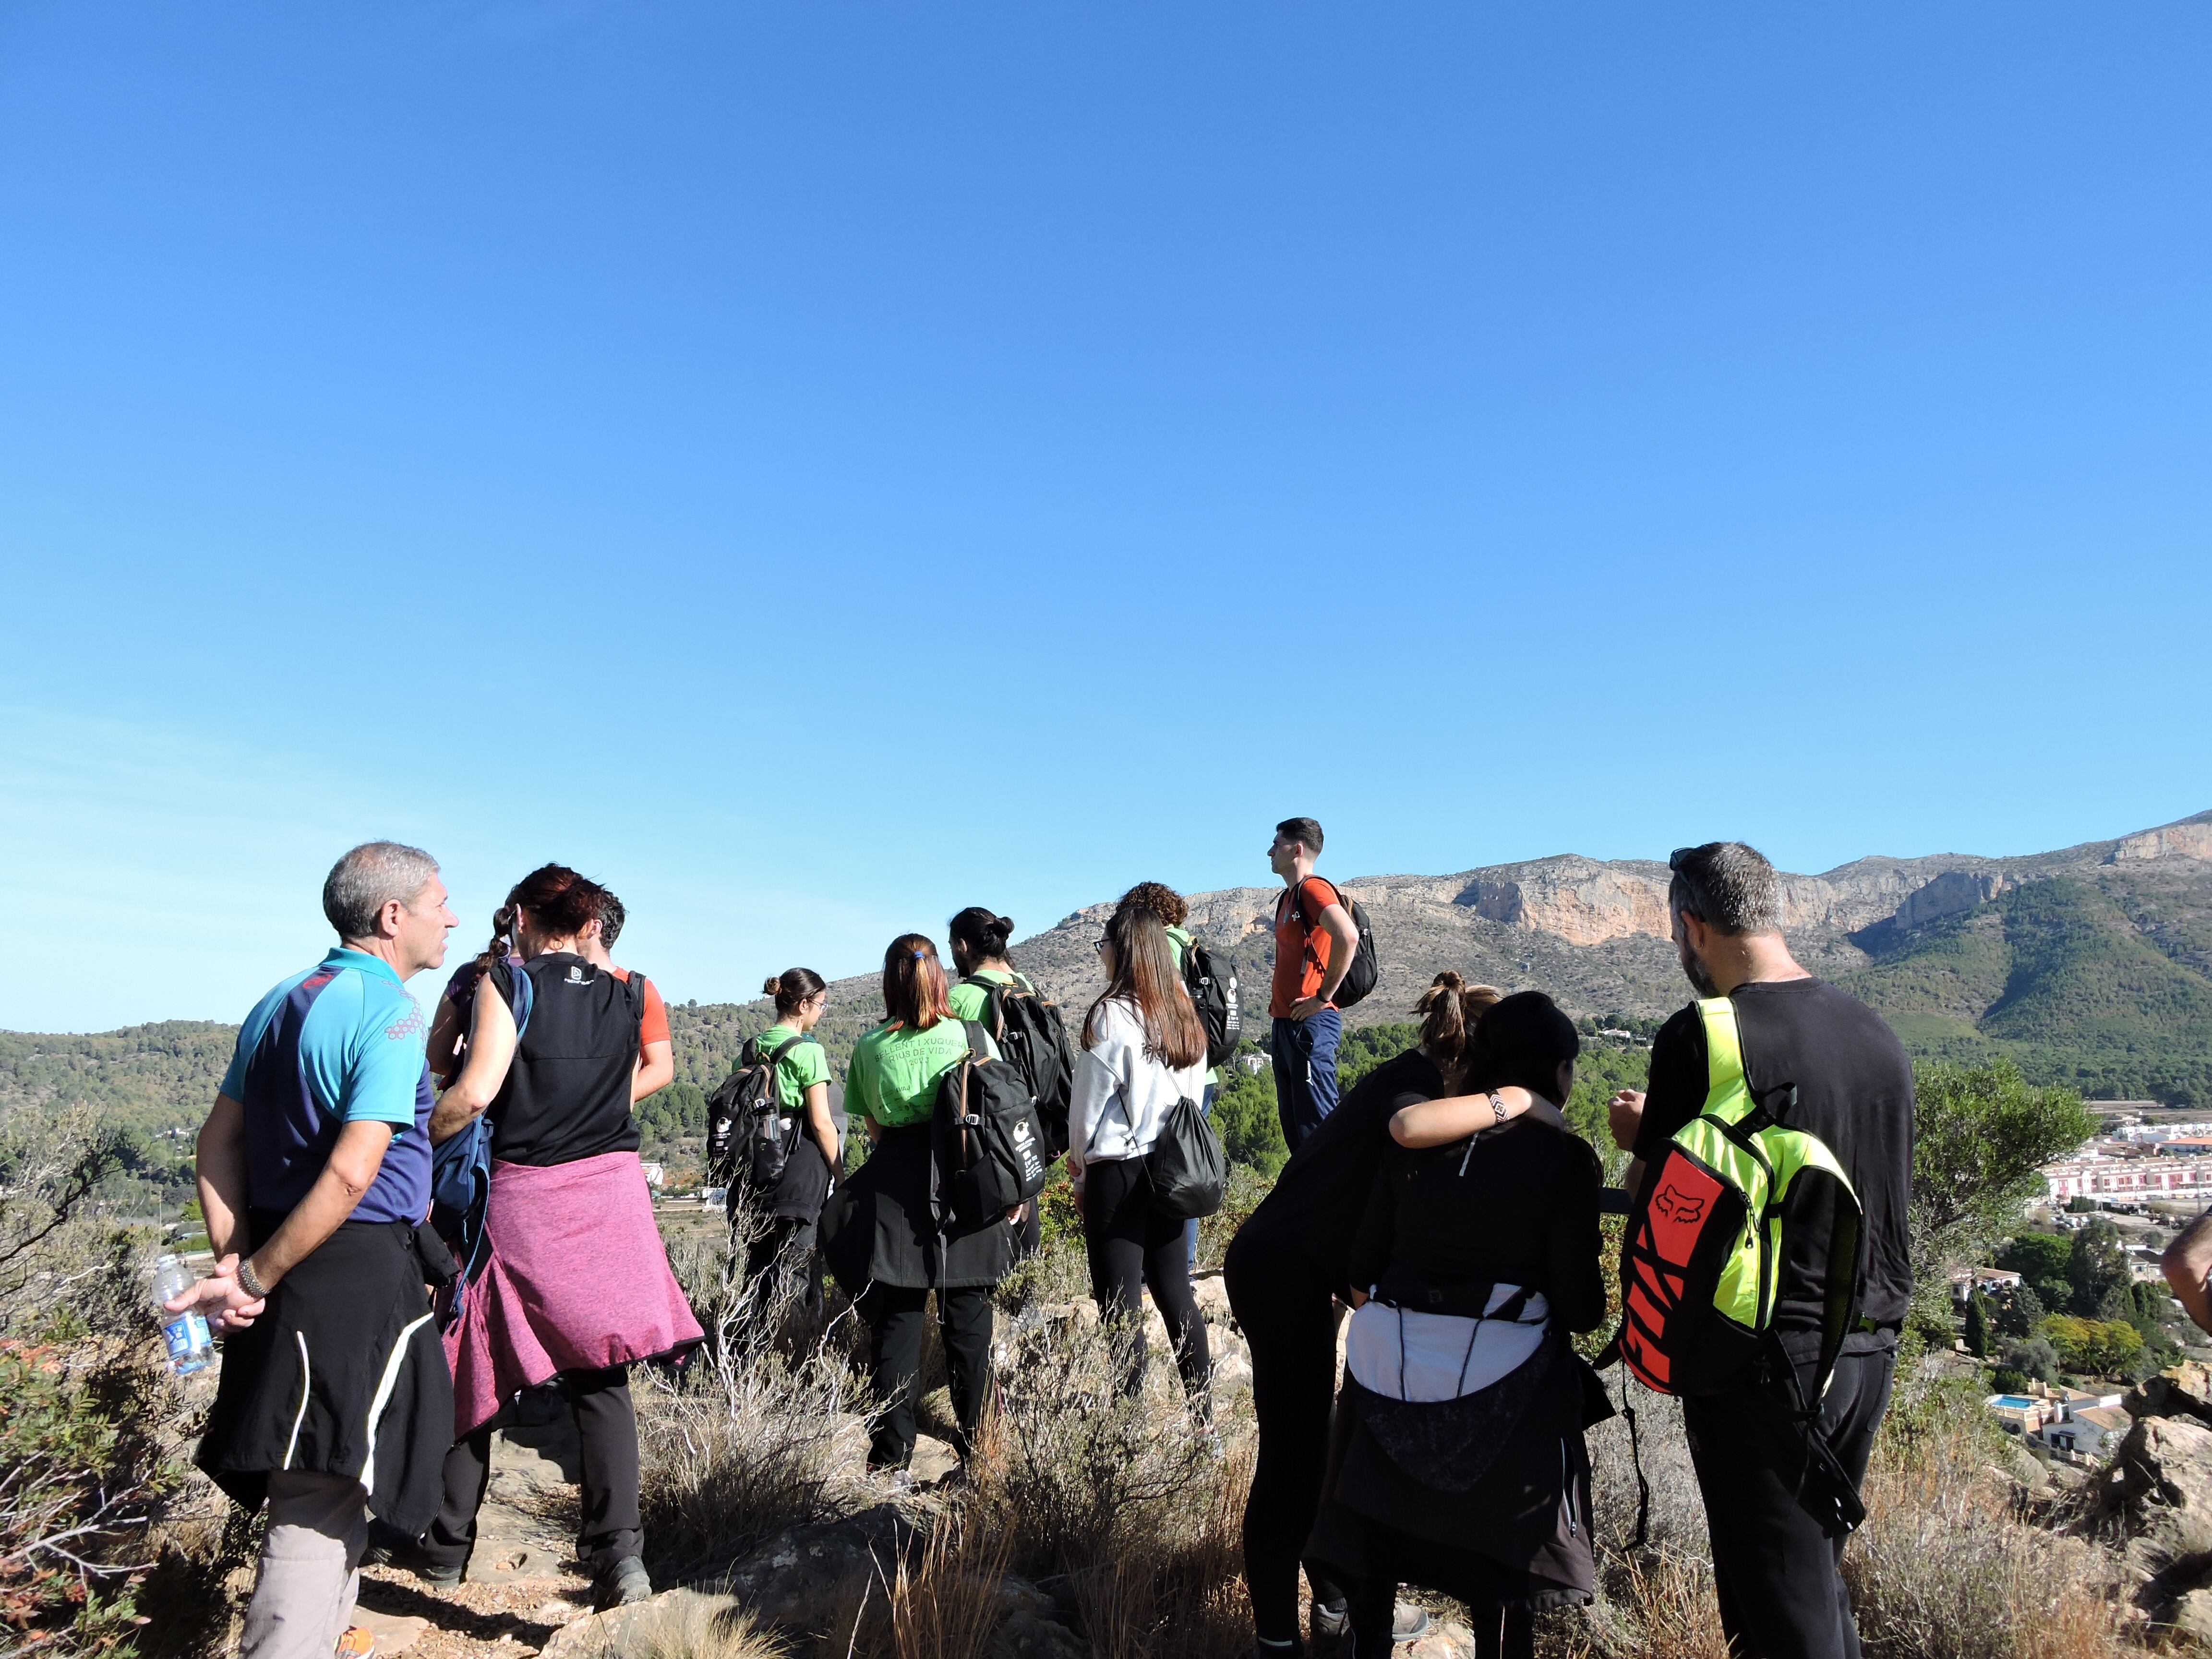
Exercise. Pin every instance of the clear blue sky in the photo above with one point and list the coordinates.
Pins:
(813, 467)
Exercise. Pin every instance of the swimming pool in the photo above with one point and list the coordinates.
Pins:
(2014, 1402)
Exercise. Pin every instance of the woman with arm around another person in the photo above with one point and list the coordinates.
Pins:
(802, 1092)
(577, 1282)
(1143, 1051)
(882, 1234)
(1457, 1460)
(1288, 1270)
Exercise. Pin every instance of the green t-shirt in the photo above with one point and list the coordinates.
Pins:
(1179, 942)
(806, 1064)
(973, 1001)
(895, 1071)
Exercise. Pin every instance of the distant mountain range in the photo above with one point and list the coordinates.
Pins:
(2090, 966)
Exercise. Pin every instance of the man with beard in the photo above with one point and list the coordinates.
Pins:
(1778, 1573)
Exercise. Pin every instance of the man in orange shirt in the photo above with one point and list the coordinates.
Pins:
(1315, 941)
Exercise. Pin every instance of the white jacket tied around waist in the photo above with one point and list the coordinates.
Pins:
(1122, 1094)
(1405, 1354)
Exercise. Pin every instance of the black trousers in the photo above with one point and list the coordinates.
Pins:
(607, 1423)
(786, 1249)
(1779, 1576)
(1132, 1244)
(896, 1315)
(1288, 1315)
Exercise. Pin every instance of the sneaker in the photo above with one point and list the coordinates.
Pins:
(1409, 1623)
(1328, 1624)
(620, 1585)
(388, 1546)
(355, 1642)
(896, 1476)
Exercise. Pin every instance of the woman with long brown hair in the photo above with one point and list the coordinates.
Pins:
(1144, 1049)
(881, 1233)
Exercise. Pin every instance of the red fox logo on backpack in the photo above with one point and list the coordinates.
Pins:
(1677, 1206)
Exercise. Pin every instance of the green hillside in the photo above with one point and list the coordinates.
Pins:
(2061, 976)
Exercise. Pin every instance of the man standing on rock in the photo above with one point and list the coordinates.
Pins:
(315, 1171)
(1316, 939)
(1778, 1573)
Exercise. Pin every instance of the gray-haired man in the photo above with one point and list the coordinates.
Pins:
(314, 1170)
(1780, 1593)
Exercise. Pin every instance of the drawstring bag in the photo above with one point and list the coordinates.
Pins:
(1443, 1375)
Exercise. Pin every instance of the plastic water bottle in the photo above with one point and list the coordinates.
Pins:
(191, 1347)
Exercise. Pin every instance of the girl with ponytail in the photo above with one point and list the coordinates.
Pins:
(882, 1233)
(803, 1090)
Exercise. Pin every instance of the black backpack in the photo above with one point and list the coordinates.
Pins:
(1033, 1038)
(988, 1144)
(749, 1136)
(1213, 994)
(1188, 1169)
(1359, 978)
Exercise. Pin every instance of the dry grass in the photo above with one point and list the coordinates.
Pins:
(692, 1627)
(1129, 1511)
(746, 1442)
(1133, 1501)
(1946, 1565)
(945, 1602)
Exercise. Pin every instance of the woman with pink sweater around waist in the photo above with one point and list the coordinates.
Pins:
(577, 1284)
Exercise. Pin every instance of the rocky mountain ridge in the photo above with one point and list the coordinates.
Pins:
(1594, 932)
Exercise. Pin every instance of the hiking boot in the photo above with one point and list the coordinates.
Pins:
(388, 1546)
(621, 1584)
(1409, 1623)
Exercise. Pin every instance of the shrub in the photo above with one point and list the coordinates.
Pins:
(1134, 1500)
(744, 1441)
(88, 1415)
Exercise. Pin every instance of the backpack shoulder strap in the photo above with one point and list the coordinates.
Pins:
(783, 1049)
(521, 997)
(1727, 1090)
(979, 1039)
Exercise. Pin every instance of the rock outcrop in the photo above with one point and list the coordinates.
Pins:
(2158, 1490)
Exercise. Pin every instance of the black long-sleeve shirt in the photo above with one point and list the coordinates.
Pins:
(1517, 1207)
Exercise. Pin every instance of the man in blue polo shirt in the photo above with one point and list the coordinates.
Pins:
(315, 1171)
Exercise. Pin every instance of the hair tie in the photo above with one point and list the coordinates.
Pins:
(919, 954)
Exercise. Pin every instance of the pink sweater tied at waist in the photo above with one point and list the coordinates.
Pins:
(577, 1279)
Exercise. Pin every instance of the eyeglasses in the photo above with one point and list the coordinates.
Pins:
(1099, 945)
(1681, 856)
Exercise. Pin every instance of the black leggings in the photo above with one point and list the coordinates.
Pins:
(606, 1424)
(1133, 1244)
(1288, 1315)
(896, 1317)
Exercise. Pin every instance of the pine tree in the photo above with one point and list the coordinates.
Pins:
(1978, 1325)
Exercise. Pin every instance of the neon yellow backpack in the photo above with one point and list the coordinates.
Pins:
(1705, 1241)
